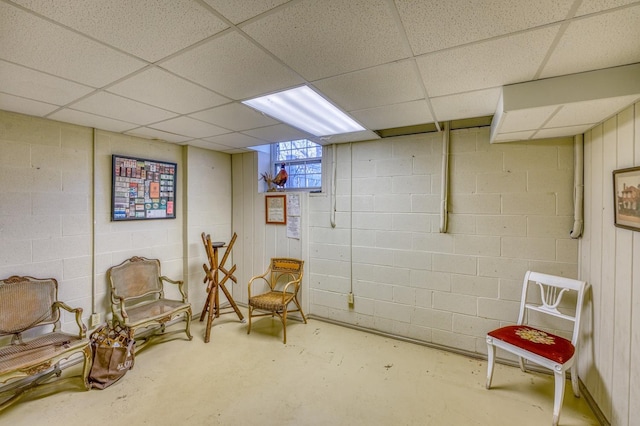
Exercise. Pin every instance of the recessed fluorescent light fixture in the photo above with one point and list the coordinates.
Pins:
(305, 109)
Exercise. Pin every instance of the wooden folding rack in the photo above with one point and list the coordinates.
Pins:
(212, 308)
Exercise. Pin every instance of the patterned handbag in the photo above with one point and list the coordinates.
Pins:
(113, 355)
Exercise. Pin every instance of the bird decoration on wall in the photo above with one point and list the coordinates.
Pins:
(268, 178)
(281, 177)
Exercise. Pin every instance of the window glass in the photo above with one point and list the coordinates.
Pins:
(303, 163)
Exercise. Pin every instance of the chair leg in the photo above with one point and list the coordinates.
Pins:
(250, 312)
(560, 378)
(86, 369)
(284, 325)
(491, 355)
(187, 328)
(295, 300)
(521, 363)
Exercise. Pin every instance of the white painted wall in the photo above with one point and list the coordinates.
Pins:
(511, 210)
(47, 203)
(610, 262)
(208, 201)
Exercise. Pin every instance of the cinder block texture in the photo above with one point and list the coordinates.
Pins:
(510, 209)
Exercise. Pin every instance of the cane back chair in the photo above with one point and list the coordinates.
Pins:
(281, 283)
(537, 345)
(30, 313)
(138, 298)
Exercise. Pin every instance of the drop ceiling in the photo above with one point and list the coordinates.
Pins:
(177, 70)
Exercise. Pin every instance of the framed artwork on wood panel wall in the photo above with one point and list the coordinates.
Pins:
(626, 198)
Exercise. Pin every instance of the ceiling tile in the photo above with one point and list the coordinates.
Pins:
(235, 116)
(235, 140)
(240, 10)
(277, 133)
(27, 83)
(590, 112)
(324, 38)
(232, 66)
(25, 106)
(149, 133)
(36, 43)
(91, 120)
(382, 85)
(437, 25)
(365, 135)
(119, 108)
(587, 43)
(561, 131)
(466, 105)
(390, 116)
(189, 127)
(200, 143)
(144, 28)
(526, 119)
(514, 136)
(485, 65)
(587, 7)
(158, 87)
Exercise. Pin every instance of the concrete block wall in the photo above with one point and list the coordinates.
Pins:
(55, 206)
(510, 211)
(208, 202)
(45, 205)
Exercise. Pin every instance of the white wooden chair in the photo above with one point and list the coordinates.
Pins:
(537, 345)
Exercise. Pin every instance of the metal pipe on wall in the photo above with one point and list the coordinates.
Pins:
(578, 186)
(94, 290)
(444, 197)
(334, 171)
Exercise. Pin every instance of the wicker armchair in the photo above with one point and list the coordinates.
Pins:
(281, 283)
(29, 307)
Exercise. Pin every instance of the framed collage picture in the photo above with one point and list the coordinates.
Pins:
(142, 189)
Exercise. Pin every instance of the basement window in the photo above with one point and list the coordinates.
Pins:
(302, 161)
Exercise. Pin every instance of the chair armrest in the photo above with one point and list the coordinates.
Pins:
(78, 311)
(295, 283)
(254, 279)
(180, 285)
(117, 302)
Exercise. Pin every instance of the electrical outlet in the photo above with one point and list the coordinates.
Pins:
(350, 298)
(95, 319)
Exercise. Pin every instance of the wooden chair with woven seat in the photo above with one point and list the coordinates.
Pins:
(281, 285)
(540, 346)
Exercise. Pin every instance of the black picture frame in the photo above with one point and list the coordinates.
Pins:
(142, 189)
(626, 198)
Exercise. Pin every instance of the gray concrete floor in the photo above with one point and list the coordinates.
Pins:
(325, 375)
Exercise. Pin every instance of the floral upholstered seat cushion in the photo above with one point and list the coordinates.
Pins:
(550, 346)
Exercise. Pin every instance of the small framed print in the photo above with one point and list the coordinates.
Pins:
(276, 209)
(626, 198)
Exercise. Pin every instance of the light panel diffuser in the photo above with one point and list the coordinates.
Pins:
(305, 109)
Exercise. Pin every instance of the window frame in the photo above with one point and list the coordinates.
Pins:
(276, 162)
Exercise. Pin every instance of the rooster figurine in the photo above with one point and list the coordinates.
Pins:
(281, 177)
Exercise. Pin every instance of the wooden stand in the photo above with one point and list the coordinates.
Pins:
(212, 306)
